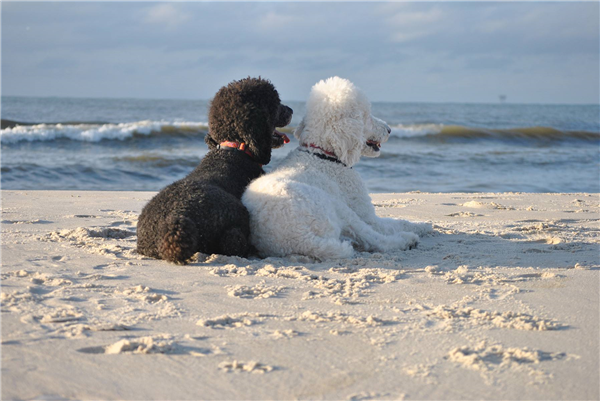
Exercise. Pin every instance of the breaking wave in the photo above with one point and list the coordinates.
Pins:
(448, 133)
(15, 132)
(96, 132)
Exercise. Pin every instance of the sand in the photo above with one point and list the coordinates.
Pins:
(500, 303)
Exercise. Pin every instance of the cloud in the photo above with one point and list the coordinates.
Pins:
(395, 51)
(167, 15)
(411, 24)
(506, 29)
(276, 21)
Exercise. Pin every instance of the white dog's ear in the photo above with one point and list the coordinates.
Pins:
(346, 137)
(299, 129)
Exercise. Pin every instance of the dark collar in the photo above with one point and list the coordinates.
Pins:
(239, 146)
(326, 155)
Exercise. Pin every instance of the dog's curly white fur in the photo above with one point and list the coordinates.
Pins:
(318, 207)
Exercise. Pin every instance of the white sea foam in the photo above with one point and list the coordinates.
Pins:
(414, 130)
(93, 132)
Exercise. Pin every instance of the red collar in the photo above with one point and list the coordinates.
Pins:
(241, 146)
(327, 156)
(312, 145)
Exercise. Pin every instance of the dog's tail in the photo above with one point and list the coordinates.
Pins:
(178, 239)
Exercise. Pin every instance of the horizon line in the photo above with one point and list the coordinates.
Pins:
(304, 101)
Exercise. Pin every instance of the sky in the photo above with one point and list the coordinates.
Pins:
(532, 52)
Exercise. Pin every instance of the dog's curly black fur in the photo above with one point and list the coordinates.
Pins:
(203, 212)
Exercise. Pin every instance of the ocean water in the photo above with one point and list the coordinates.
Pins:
(133, 144)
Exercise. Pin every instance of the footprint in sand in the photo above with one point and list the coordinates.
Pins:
(245, 367)
(464, 214)
(231, 321)
(483, 205)
(112, 242)
(255, 292)
(147, 345)
(478, 317)
(492, 358)
(36, 221)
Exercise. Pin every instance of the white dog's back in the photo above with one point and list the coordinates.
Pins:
(314, 204)
(292, 212)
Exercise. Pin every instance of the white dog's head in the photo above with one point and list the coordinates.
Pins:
(338, 119)
(376, 134)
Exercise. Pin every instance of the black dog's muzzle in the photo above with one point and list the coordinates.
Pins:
(284, 116)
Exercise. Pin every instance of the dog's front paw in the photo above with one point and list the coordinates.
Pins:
(422, 228)
(410, 240)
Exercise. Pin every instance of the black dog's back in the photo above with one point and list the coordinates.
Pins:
(202, 212)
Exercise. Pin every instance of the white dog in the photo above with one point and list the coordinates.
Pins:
(314, 203)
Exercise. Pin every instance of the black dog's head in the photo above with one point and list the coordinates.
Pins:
(248, 111)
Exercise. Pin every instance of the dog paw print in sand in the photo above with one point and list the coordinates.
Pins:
(126, 216)
(393, 203)
(489, 359)
(143, 293)
(383, 206)
(72, 323)
(421, 371)
(258, 291)
(486, 205)
(340, 317)
(464, 214)
(239, 320)
(42, 285)
(232, 321)
(123, 308)
(147, 345)
(245, 367)
(59, 321)
(490, 284)
(341, 285)
(33, 221)
(112, 242)
(372, 395)
(284, 334)
(137, 304)
(65, 315)
(583, 206)
(347, 288)
(37, 278)
(48, 310)
(550, 233)
(42, 302)
(493, 285)
(478, 317)
(43, 279)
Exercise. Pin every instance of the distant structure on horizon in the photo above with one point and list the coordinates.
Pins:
(502, 98)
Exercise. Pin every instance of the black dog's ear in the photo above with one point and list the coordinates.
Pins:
(258, 134)
(212, 144)
(261, 109)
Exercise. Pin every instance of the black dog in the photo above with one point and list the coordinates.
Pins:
(203, 212)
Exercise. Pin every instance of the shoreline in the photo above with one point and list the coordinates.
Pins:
(502, 302)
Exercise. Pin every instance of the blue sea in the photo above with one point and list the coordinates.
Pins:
(133, 144)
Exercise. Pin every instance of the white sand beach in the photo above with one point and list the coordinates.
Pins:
(501, 302)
